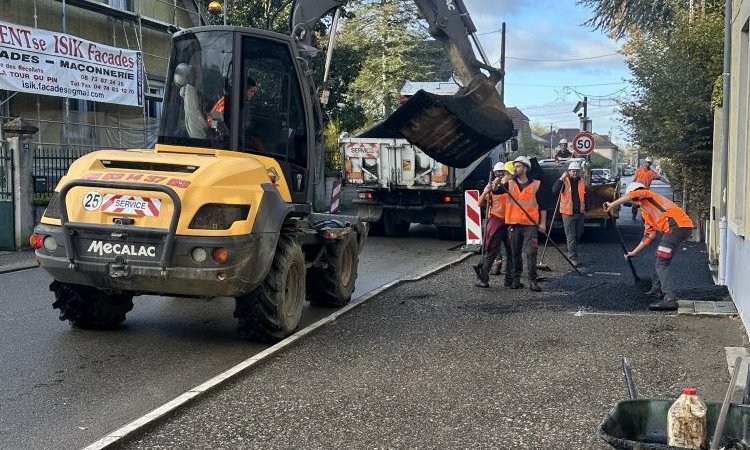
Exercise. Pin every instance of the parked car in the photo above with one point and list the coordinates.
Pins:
(601, 176)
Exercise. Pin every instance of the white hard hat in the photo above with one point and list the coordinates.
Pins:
(633, 186)
(649, 159)
(574, 165)
(498, 167)
(563, 141)
(523, 160)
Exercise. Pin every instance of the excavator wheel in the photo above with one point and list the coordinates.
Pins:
(333, 285)
(273, 310)
(90, 308)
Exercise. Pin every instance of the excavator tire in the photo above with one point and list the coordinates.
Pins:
(333, 285)
(90, 308)
(272, 311)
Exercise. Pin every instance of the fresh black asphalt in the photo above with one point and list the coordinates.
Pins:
(439, 363)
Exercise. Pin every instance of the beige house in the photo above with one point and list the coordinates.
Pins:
(731, 252)
(143, 25)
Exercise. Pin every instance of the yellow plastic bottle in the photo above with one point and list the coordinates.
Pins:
(686, 421)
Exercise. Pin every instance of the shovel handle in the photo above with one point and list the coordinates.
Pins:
(624, 247)
(552, 223)
(626, 371)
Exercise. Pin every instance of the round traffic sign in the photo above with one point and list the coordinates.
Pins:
(583, 143)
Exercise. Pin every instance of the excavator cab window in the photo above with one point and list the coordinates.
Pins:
(272, 110)
(197, 107)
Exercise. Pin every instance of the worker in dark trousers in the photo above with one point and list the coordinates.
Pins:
(525, 219)
(572, 191)
(496, 232)
(660, 215)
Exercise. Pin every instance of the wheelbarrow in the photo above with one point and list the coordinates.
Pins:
(641, 424)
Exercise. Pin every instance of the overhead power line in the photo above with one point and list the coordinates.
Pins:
(563, 59)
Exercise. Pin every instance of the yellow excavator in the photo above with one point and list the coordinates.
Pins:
(222, 205)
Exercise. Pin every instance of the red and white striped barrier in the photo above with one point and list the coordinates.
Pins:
(336, 197)
(473, 218)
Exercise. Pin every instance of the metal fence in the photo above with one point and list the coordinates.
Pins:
(6, 173)
(50, 165)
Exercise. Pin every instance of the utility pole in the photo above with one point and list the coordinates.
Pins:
(550, 139)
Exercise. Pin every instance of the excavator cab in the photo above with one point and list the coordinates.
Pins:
(242, 89)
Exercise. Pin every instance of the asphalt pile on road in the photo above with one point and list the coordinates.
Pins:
(439, 363)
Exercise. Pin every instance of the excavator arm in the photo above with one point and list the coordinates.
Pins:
(454, 130)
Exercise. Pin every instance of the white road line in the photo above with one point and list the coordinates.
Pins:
(200, 390)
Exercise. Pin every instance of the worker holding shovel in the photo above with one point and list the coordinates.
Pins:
(660, 215)
(572, 191)
(496, 232)
(525, 219)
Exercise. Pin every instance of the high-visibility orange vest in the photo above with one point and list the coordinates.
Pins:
(496, 205)
(566, 197)
(644, 176)
(660, 213)
(527, 199)
(218, 107)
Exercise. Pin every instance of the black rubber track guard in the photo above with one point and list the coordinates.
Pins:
(454, 130)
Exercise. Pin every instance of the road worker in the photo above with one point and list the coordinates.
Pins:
(646, 175)
(572, 191)
(563, 152)
(496, 232)
(525, 219)
(660, 215)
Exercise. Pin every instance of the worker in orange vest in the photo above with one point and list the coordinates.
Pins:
(646, 175)
(660, 215)
(572, 191)
(496, 232)
(524, 229)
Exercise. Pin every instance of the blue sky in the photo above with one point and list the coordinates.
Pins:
(547, 90)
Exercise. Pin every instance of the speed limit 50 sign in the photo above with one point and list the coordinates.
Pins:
(583, 143)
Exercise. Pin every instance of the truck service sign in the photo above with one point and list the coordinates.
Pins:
(49, 63)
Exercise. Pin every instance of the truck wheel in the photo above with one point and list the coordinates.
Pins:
(273, 310)
(333, 286)
(90, 308)
(395, 226)
(451, 233)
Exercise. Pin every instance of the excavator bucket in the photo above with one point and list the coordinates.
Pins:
(454, 130)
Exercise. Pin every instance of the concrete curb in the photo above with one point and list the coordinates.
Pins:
(140, 424)
(17, 268)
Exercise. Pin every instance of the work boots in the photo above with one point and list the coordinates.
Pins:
(516, 283)
(534, 286)
(668, 303)
(484, 279)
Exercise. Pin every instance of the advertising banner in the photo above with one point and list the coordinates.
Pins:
(49, 63)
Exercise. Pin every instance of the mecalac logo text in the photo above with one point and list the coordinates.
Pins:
(105, 248)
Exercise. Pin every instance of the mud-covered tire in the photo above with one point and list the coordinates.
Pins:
(90, 308)
(273, 310)
(333, 286)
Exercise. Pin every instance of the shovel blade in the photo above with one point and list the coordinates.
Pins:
(454, 130)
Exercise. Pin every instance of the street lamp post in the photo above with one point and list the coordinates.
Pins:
(216, 6)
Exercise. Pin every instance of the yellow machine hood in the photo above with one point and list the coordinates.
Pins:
(199, 177)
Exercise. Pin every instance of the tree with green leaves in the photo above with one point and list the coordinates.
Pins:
(387, 34)
(262, 14)
(620, 18)
(674, 51)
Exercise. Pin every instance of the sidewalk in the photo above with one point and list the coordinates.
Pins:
(14, 261)
(440, 364)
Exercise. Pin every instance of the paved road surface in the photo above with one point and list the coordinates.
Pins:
(64, 388)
